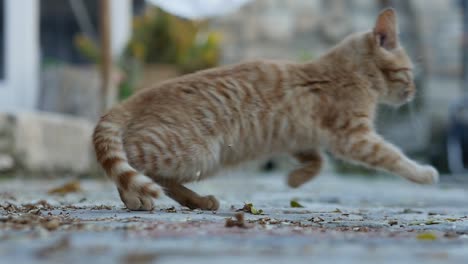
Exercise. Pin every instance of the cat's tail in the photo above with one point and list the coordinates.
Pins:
(110, 153)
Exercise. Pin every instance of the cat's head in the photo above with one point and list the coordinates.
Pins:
(394, 66)
(379, 55)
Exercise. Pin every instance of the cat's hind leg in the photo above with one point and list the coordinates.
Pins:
(311, 162)
(186, 197)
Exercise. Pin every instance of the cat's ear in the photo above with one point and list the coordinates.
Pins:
(386, 29)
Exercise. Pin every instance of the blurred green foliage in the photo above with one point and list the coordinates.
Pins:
(160, 38)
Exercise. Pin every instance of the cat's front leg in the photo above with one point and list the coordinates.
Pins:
(371, 150)
(311, 162)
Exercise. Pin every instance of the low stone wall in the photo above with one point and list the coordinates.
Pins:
(45, 144)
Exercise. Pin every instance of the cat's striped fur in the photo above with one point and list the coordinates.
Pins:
(188, 128)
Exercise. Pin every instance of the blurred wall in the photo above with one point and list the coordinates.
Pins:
(289, 29)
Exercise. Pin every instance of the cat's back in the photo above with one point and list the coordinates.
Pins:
(224, 86)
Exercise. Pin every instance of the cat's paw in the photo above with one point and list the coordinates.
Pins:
(136, 202)
(427, 175)
(210, 203)
(301, 176)
(296, 179)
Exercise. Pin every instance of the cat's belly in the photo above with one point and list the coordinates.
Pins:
(178, 154)
(244, 151)
(183, 165)
(193, 163)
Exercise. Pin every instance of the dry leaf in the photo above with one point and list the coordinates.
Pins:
(238, 221)
(249, 208)
(426, 236)
(317, 219)
(171, 209)
(410, 211)
(295, 204)
(70, 187)
(431, 222)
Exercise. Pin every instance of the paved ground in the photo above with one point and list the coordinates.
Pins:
(344, 220)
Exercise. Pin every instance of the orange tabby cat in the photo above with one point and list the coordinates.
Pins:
(187, 129)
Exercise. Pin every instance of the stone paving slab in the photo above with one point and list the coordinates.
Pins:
(343, 220)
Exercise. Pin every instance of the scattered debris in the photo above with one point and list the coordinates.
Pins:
(410, 211)
(298, 212)
(41, 204)
(295, 204)
(393, 222)
(101, 207)
(317, 219)
(9, 207)
(427, 222)
(249, 208)
(237, 222)
(27, 220)
(31, 208)
(364, 229)
(264, 221)
(170, 210)
(70, 187)
(432, 222)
